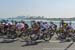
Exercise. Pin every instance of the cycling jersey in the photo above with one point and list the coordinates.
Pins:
(44, 26)
(20, 25)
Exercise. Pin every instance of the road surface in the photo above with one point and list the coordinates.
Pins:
(53, 44)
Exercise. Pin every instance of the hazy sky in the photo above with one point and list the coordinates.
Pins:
(47, 8)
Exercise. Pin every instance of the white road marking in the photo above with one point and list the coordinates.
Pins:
(59, 41)
(54, 41)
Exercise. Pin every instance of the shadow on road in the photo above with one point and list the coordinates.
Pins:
(31, 43)
(69, 46)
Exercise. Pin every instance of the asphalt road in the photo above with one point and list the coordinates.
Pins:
(53, 44)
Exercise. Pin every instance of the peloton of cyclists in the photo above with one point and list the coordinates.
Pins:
(37, 26)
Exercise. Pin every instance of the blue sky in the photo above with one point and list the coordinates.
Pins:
(47, 8)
